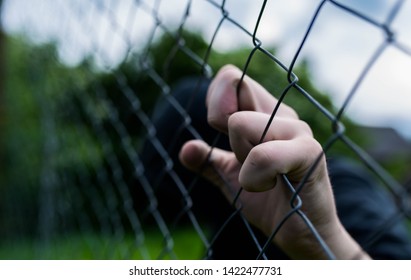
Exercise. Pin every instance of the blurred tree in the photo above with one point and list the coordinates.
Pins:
(35, 81)
(21, 136)
(2, 116)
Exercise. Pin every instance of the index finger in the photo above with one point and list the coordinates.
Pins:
(223, 99)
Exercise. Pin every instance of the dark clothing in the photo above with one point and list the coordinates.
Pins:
(368, 213)
(364, 208)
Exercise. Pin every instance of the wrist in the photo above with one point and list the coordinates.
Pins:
(335, 236)
(344, 246)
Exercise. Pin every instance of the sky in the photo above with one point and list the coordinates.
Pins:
(339, 47)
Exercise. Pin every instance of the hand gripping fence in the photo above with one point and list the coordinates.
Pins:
(110, 128)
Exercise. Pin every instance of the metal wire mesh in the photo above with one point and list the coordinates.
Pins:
(111, 124)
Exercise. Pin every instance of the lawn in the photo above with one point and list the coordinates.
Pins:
(185, 245)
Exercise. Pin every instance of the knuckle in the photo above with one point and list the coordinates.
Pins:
(293, 113)
(312, 147)
(227, 71)
(227, 75)
(289, 111)
(217, 122)
(236, 122)
(260, 156)
(305, 128)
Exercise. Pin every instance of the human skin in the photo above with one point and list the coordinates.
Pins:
(257, 167)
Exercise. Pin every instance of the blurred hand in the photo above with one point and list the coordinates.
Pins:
(287, 148)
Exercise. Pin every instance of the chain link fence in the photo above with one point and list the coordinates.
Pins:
(101, 95)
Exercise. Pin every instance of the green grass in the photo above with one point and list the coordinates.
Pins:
(186, 245)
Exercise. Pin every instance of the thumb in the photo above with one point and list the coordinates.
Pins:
(218, 166)
(194, 155)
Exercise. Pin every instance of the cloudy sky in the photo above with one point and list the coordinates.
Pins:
(339, 46)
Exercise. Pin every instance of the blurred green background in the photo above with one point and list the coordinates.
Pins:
(50, 151)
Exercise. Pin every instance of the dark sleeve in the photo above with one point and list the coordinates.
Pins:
(368, 213)
(177, 118)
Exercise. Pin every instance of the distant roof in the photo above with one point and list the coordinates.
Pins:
(385, 142)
